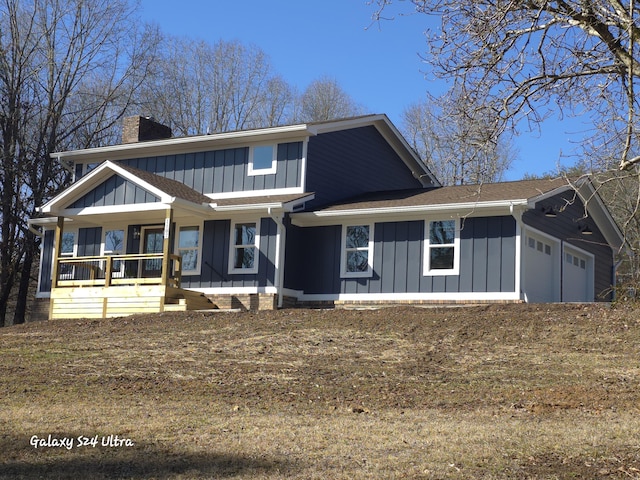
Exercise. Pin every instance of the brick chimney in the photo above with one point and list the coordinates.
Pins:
(141, 129)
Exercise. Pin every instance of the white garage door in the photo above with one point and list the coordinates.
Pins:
(541, 279)
(577, 276)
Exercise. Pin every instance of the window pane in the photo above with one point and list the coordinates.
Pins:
(358, 236)
(189, 259)
(245, 258)
(188, 237)
(68, 239)
(442, 232)
(262, 157)
(441, 258)
(357, 261)
(114, 241)
(245, 233)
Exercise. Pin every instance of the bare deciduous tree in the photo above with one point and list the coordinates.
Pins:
(536, 58)
(458, 139)
(199, 87)
(533, 58)
(68, 70)
(324, 99)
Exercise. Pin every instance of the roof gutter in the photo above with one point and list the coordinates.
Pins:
(459, 209)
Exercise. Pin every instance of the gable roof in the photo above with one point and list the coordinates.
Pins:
(464, 200)
(165, 190)
(287, 133)
(484, 195)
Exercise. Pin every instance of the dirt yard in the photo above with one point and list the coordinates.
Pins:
(493, 392)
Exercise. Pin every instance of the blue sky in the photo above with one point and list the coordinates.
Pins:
(378, 65)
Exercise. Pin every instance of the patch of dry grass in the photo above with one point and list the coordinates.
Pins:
(488, 392)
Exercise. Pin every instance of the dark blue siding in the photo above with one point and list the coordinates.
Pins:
(350, 162)
(47, 261)
(487, 259)
(89, 241)
(223, 171)
(114, 191)
(214, 272)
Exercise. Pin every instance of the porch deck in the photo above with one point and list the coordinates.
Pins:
(120, 285)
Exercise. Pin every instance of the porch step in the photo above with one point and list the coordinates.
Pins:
(179, 299)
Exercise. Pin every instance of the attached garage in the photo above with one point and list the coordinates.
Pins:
(541, 268)
(577, 275)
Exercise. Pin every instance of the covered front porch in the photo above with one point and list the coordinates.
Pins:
(119, 284)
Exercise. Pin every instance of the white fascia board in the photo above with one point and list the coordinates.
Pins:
(79, 188)
(251, 206)
(184, 144)
(602, 216)
(543, 196)
(458, 210)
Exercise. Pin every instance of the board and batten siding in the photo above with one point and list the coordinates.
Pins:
(487, 260)
(214, 271)
(347, 163)
(225, 171)
(114, 191)
(565, 227)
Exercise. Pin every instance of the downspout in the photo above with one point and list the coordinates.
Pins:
(279, 260)
(519, 252)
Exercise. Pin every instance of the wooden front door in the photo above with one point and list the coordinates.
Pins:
(152, 242)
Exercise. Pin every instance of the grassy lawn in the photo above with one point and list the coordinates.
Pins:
(493, 392)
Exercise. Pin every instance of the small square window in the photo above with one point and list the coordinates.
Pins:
(583, 264)
(547, 249)
(532, 242)
(569, 258)
(262, 159)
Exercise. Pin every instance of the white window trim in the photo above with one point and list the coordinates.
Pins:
(427, 271)
(58, 248)
(232, 248)
(274, 160)
(343, 252)
(104, 253)
(176, 249)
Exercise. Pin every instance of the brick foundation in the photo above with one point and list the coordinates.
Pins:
(250, 301)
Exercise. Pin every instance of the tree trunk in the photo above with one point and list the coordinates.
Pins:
(25, 279)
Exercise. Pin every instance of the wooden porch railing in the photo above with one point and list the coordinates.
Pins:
(132, 269)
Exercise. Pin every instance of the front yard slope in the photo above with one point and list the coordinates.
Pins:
(513, 391)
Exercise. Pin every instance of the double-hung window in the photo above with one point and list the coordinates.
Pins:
(357, 251)
(442, 248)
(245, 241)
(189, 249)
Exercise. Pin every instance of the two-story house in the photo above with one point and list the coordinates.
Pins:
(328, 213)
